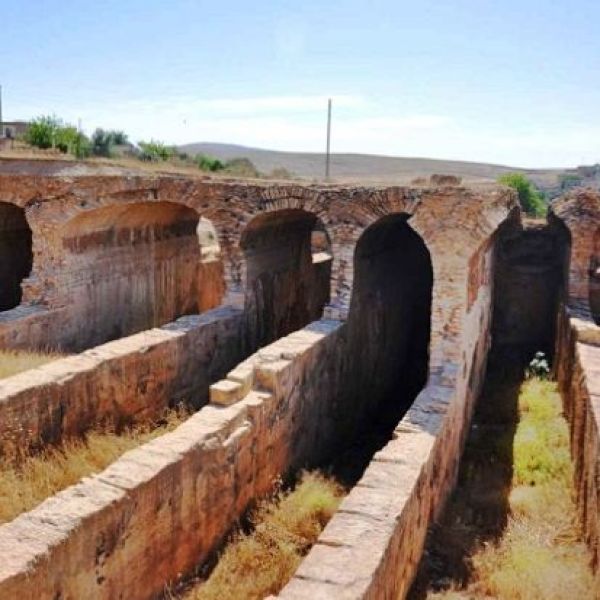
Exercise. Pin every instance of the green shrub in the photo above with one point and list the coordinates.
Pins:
(50, 132)
(209, 163)
(41, 132)
(242, 167)
(70, 141)
(155, 151)
(531, 200)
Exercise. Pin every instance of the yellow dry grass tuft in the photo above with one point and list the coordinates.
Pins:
(540, 555)
(17, 361)
(38, 477)
(260, 563)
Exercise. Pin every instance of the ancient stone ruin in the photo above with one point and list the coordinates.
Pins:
(290, 316)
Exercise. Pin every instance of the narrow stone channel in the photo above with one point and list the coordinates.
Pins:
(510, 528)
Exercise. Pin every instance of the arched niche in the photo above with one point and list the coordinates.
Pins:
(130, 267)
(389, 321)
(287, 256)
(16, 255)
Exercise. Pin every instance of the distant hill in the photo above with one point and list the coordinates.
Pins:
(370, 168)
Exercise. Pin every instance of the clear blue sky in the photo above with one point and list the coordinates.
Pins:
(514, 82)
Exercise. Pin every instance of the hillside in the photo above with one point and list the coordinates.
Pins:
(368, 168)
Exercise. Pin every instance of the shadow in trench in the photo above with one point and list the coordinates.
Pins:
(477, 511)
(388, 339)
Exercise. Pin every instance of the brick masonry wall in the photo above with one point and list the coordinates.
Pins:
(54, 205)
(162, 508)
(579, 211)
(577, 362)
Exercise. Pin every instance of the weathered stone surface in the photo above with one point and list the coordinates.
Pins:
(177, 496)
(578, 373)
(132, 379)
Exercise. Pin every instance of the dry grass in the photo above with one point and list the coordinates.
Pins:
(540, 555)
(17, 361)
(38, 477)
(260, 563)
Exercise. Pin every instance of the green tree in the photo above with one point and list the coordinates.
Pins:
(119, 138)
(42, 131)
(101, 143)
(530, 198)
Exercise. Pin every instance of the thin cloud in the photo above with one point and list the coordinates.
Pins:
(242, 106)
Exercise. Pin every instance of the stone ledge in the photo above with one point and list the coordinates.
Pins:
(130, 378)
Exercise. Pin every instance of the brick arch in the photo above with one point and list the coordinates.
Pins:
(232, 221)
(129, 266)
(348, 223)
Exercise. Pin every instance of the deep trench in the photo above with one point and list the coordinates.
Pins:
(530, 271)
(388, 331)
(16, 255)
(388, 326)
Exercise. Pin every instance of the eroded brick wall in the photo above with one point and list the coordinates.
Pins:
(161, 509)
(578, 374)
(285, 290)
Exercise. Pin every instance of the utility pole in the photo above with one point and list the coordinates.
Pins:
(328, 155)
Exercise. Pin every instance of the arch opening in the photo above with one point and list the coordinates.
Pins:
(131, 267)
(531, 262)
(288, 271)
(16, 255)
(390, 319)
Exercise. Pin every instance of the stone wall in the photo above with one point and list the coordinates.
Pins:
(577, 362)
(163, 508)
(579, 211)
(159, 510)
(372, 546)
(128, 268)
(129, 380)
(578, 374)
